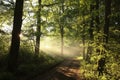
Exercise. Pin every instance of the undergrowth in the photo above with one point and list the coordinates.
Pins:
(29, 65)
(89, 69)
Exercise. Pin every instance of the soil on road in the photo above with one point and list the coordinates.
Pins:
(68, 70)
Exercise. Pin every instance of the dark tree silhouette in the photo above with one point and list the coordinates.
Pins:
(89, 50)
(101, 62)
(37, 46)
(62, 28)
(97, 16)
(15, 44)
(91, 22)
(107, 19)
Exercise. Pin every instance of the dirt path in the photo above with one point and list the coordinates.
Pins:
(68, 70)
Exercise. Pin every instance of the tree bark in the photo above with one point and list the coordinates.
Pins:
(107, 19)
(62, 29)
(62, 40)
(91, 23)
(15, 44)
(89, 50)
(101, 61)
(38, 34)
(83, 41)
(97, 17)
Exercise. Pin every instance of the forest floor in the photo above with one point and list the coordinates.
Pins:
(69, 69)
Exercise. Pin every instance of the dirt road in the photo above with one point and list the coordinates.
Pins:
(68, 70)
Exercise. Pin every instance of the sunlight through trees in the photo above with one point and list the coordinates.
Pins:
(42, 33)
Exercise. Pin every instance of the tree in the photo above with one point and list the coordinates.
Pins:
(91, 28)
(101, 61)
(38, 34)
(91, 22)
(107, 19)
(15, 42)
(83, 38)
(61, 24)
(97, 16)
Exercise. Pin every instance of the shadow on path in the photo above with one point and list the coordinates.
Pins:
(68, 70)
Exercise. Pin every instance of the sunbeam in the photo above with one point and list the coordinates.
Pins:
(53, 47)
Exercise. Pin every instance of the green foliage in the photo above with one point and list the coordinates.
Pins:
(112, 58)
(4, 47)
(4, 44)
(30, 65)
(75, 19)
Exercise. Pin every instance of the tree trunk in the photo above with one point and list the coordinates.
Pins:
(97, 17)
(62, 40)
(38, 33)
(89, 50)
(62, 29)
(91, 23)
(107, 19)
(14, 49)
(101, 62)
(83, 41)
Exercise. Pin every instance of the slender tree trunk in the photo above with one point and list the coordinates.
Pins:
(62, 39)
(83, 31)
(97, 20)
(101, 62)
(97, 16)
(107, 19)
(83, 41)
(89, 50)
(14, 49)
(38, 34)
(91, 23)
(62, 29)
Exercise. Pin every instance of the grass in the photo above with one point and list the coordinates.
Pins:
(29, 65)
